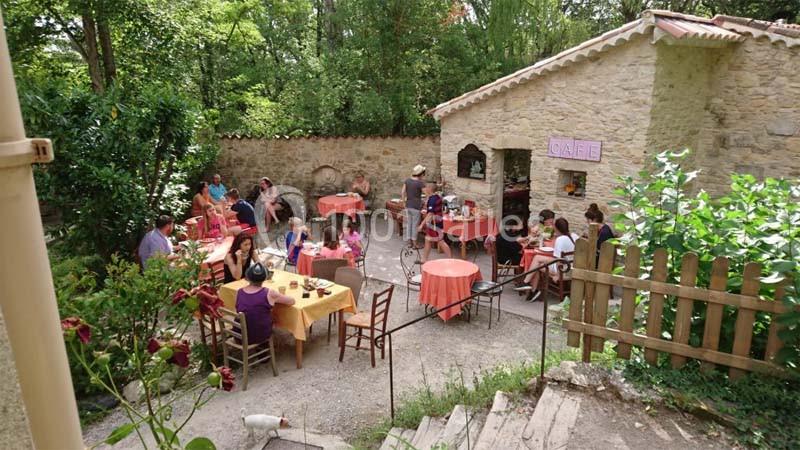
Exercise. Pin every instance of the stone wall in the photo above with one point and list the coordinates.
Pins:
(753, 120)
(386, 162)
(607, 98)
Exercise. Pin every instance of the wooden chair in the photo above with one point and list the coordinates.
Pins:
(210, 330)
(374, 321)
(560, 283)
(326, 269)
(214, 273)
(234, 340)
(361, 261)
(410, 262)
(349, 277)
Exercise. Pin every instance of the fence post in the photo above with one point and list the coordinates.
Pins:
(589, 288)
(719, 282)
(577, 292)
(656, 308)
(743, 334)
(602, 292)
(774, 343)
(683, 312)
(628, 308)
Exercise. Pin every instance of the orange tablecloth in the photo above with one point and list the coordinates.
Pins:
(215, 251)
(298, 317)
(445, 281)
(342, 205)
(306, 258)
(467, 231)
(529, 253)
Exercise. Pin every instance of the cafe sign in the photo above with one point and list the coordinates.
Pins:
(568, 148)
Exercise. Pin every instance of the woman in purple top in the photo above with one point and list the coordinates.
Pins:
(256, 302)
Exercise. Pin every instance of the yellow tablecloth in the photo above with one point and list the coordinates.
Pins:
(298, 317)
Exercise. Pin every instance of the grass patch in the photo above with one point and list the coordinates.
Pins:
(414, 405)
(764, 409)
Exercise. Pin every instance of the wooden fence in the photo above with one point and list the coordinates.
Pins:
(592, 283)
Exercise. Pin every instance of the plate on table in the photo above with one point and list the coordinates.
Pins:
(342, 194)
(207, 240)
(546, 249)
(323, 283)
(395, 200)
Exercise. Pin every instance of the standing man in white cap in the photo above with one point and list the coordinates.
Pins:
(412, 196)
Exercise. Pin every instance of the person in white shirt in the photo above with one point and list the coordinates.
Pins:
(563, 246)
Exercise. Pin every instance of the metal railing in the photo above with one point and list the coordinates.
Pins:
(381, 339)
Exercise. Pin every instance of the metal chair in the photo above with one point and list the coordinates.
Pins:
(361, 261)
(350, 277)
(326, 269)
(410, 261)
(374, 321)
(234, 339)
(280, 244)
(489, 290)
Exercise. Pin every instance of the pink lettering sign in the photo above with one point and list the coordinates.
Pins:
(568, 148)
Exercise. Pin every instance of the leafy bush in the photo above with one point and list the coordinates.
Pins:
(122, 157)
(758, 221)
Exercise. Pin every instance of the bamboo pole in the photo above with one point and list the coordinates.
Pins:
(27, 297)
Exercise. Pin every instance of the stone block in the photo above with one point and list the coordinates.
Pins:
(783, 126)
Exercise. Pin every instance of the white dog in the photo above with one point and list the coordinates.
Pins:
(263, 422)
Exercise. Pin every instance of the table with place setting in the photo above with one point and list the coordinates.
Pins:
(347, 203)
(528, 254)
(310, 252)
(297, 318)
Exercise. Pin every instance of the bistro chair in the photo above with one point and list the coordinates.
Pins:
(361, 261)
(560, 283)
(210, 331)
(280, 244)
(501, 270)
(374, 322)
(349, 277)
(326, 270)
(488, 290)
(322, 222)
(234, 334)
(410, 262)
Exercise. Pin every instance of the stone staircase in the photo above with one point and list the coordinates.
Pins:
(562, 418)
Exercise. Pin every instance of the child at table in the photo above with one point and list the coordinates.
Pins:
(330, 246)
(535, 229)
(295, 239)
(352, 238)
(256, 302)
(433, 224)
(211, 225)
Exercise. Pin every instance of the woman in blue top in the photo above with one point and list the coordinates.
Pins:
(433, 224)
(295, 239)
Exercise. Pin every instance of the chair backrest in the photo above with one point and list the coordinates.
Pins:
(364, 243)
(280, 242)
(379, 316)
(233, 325)
(326, 268)
(350, 277)
(214, 273)
(408, 261)
(564, 267)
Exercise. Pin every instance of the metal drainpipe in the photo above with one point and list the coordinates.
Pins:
(27, 297)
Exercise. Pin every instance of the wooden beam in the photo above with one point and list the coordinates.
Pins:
(743, 330)
(655, 310)
(683, 311)
(719, 282)
(628, 308)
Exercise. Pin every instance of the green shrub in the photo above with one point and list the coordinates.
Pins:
(758, 221)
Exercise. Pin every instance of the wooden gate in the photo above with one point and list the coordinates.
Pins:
(592, 282)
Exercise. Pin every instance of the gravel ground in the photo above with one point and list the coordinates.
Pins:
(344, 398)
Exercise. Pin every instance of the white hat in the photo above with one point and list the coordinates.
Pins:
(418, 169)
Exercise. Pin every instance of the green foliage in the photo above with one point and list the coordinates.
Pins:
(122, 157)
(764, 409)
(758, 221)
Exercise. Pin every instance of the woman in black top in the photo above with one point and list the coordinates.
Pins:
(239, 257)
(604, 233)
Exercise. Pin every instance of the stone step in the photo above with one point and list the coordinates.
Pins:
(458, 425)
(503, 427)
(428, 433)
(398, 439)
(552, 420)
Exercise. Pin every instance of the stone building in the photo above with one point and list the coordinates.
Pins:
(728, 88)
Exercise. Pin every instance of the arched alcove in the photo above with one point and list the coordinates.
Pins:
(472, 163)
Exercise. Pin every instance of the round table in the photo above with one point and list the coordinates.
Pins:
(445, 281)
(333, 204)
(305, 261)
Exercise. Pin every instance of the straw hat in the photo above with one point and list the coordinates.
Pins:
(418, 170)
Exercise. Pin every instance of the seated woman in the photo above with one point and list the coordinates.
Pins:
(546, 218)
(256, 303)
(352, 238)
(361, 186)
(212, 225)
(295, 238)
(595, 217)
(330, 245)
(239, 258)
(201, 199)
(268, 197)
(564, 243)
